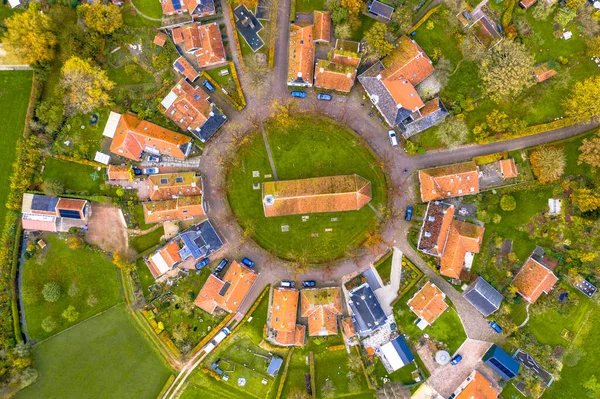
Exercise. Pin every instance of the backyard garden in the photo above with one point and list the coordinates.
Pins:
(308, 147)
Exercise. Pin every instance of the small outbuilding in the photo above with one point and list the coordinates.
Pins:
(381, 10)
(501, 362)
(397, 354)
(485, 298)
(274, 366)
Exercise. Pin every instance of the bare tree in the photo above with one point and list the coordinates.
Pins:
(394, 390)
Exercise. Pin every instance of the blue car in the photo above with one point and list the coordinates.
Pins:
(326, 97)
(248, 262)
(202, 263)
(309, 283)
(299, 94)
(455, 360)
(208, 86)
(221, 265)
(408, 214)
(496, 327)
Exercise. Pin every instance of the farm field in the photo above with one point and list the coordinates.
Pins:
(93, 275)
(15, 88)
(105, 356)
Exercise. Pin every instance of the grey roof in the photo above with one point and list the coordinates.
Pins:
(44, 203)
(205, 7)
(380, 96)
(274, 365)
(412, 127)
(483, 296)
(200, 241)
(248, 26)
(368, 314)
(383, 10)
(211, 126)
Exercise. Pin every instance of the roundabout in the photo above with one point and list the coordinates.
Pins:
(306, 148)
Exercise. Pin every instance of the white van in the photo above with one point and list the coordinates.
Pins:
(393, 138)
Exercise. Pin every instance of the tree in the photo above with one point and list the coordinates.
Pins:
(353, 6)
(590, 27)
(471, 48)
(564, 16)
(338, 13)
(73, 289)
(542, 10)
(593, 387)
(85, 85)
(452, 132)
(593, 46)
(48, 324)
(328, 390)
(343, 31)
(506, 70)
(53, 187)
(51, 113)
(354, 362)
(402, 20)
(124, 260)
(575, 4)
(508, 203)
(583, 102)
(30, 36)
(74, 242)
(375, 37)
(297, 393)
(586, 200)
(92, 301)
(548, 163)
(393, 390)
(70, 313)
(51, 291)
(589, 152)
(103, 18)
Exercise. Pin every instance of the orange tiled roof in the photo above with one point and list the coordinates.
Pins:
(190, 109)
(177, 35)
(348, 327)
(527, 3)
(171, 185)
(301, 56)
(134, 135)
(430, 106)
(437, 224)
(533, 279)
(508, 168)
(318, 194)
(322, 26)
(332, 76)
(204, 41)
(70, 204)
(321, 306)
(191, 37)
(345, 58)
(403, 93)
(119, 172)
(428, 303)
(170, 255)
(462, 238)
(449, 181)
(284, 308)
(478, 388)
(228, 293)
(408, 61)
(177, 209)
(160, 39)
(186, 69)
(300, 335)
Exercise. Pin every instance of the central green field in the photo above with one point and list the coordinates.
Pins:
(317, 146)
(15, 87)
(103, 357)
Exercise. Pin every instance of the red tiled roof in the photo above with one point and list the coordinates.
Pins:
(478, 387)
(428, 303)
(70, 204)
(169, 254)
(508, 168)
(534, 279)
(408, 61)
(177, 209)
(186, 70)
(190, 109)
(322, 26)
(134, 135)
(329, 75)
(206, 297)
(284, 308)
(348, 327)
(301, 56)
(321, 306)
(403, 93)
(172, 185)
(462, 238)
(212, 52)
(160, 39)
(449, 181)
(119, 172)
(436, 226)
(527, 3)
(177, 35)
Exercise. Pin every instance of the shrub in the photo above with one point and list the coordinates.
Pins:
(70, 313)
(508, 203)
(48, 324)
(51, 291)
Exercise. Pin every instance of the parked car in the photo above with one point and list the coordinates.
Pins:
(150, 171)
(248, 262)
(496, 327)
(370, 114)
(208, 86)
(309, 283)
(323, 96)
(393, 138)
(221, 265)
(202, 263)
(137, 171)
(408, 214)
(299, 94)
(153, 158)
(455, 360)
(287, 284)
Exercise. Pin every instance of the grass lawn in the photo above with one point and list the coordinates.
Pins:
(149, 8)
(83, 142)
(105, 356)
(146, 241)
(139, 74)
(447, 328)
(366, 22)
(90, 270)
(76, 178)
(15, 87)
(384, 267)
(403, 375)
(146, 278)
(308, 6)
(317, 147)
(138, 215)
(222, 80)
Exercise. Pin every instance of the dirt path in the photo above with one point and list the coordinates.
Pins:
(107, 228)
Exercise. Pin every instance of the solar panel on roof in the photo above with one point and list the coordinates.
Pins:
(177, 5)
(178, 66)
(164, 180)
(224, 288)
(70, 214)
(179, 179)
(197, 97)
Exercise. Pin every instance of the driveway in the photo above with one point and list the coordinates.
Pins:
(107, 228)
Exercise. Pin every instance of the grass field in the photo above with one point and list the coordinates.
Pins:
(146, 241)
(91, 272)
(149, 8)
(77, 178)
(121, 78)
(103, 357)
(308, 6)
(317, 147)
(15, 87)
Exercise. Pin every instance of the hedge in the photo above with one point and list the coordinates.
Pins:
(408, 263)
(531, 130)
(273, 32)
(490, 158)
(335, 348)
(238, 47)
(293, 11)
(95, 198)
(313, 382)
(238, 85)
(228, 97)
(284, 375)
(425, 18)
(508, 14)
(164, 337)
(13, 282)
(80, 161)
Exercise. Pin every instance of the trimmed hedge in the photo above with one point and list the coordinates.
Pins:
(284, 375)
(80, 161)
(425, 18)
(13, 282)
(238, 47)
(531, 130)
(490, 158)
